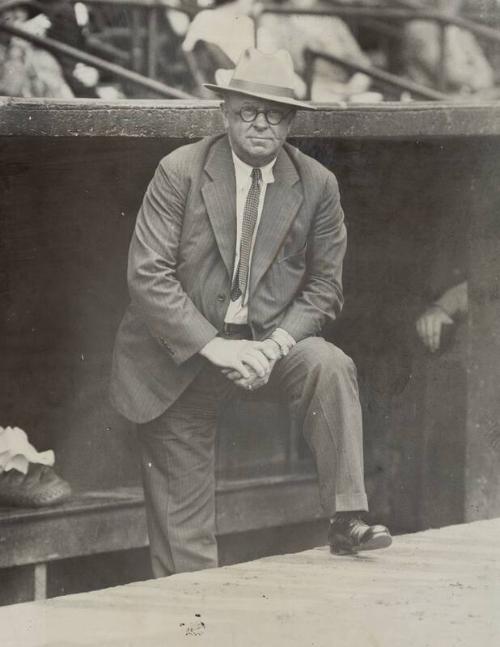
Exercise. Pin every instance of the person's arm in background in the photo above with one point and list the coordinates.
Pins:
(443, 312)
(467, 66)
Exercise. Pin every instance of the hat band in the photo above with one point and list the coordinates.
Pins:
(263, 88)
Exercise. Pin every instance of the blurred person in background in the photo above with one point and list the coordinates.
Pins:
(466, 68)
(64, 25)
(230, 27)
(27, 70)
(329, 35)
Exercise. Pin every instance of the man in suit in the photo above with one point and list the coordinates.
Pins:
(234, 267)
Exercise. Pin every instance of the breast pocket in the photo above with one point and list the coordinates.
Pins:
(293, 257)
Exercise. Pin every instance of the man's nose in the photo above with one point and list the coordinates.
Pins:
(260, 121)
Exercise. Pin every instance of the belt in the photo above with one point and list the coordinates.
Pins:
(237, 330)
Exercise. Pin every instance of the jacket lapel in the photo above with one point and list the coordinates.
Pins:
(220, 199)
(281, 204)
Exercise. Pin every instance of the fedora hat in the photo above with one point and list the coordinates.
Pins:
(266, 76)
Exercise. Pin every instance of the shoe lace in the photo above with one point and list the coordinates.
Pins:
(357, 528)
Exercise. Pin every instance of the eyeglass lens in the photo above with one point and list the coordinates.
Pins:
(273, 117)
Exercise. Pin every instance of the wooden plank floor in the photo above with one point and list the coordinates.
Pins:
(439, 588)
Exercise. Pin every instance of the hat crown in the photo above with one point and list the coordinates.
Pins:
(257, 67)
(262, 75)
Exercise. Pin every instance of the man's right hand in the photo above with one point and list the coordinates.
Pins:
(238, 355)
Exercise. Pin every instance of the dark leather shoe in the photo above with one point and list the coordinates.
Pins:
(41, 486)
(349, 534)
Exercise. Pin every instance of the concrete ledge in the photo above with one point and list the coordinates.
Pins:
(195, 119)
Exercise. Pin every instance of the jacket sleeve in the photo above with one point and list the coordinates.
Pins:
(156, 292)
(321, 296)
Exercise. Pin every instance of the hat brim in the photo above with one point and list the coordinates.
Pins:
(222, 90)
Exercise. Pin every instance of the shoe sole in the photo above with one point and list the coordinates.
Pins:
(375, 543)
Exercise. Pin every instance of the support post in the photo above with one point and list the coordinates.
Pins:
(482, 469)
(309, 64)
(441, 71)
(40, 581)
(153, 41)
(136, 39)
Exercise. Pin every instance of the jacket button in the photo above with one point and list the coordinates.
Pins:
(221, 298)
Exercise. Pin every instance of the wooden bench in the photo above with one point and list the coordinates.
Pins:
(114, 520)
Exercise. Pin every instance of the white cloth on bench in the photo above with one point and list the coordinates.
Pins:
(16, 452)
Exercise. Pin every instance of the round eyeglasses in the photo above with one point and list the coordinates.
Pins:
(272, 115)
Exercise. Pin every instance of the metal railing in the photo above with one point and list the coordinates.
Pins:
(391, 80)
(56, 47)
(145, 17)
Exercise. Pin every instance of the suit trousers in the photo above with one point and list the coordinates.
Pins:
(319, 383)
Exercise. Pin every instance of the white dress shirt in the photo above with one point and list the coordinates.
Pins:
(237, 312)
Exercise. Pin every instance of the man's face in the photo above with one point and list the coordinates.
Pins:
(255, 142)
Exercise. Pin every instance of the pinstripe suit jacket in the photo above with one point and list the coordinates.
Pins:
(181, 263)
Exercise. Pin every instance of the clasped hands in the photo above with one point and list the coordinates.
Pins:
(245, 362)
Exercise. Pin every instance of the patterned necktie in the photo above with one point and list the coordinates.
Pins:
(247, 228)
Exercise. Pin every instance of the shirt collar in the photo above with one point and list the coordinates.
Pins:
(244, 171)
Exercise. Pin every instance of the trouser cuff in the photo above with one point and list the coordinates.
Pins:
(353, 501)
